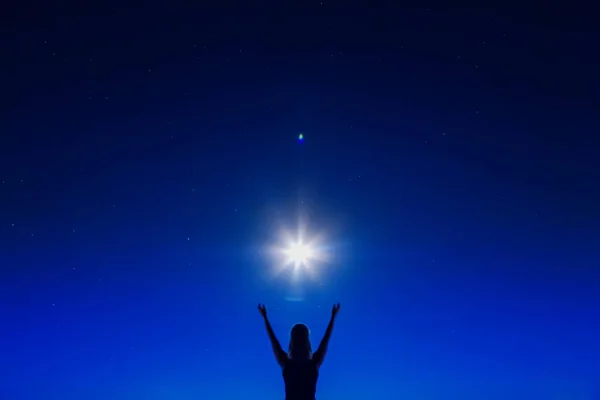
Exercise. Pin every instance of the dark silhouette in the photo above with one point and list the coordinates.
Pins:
(300, 365)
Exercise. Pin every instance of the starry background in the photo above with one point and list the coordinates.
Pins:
(148, 155)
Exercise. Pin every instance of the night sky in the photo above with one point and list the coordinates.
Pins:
(150, 158)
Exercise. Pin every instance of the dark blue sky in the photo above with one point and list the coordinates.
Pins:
(149, 154)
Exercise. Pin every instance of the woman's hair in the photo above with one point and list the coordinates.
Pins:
(300, 347)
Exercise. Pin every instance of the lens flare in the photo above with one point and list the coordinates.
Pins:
(299, 254)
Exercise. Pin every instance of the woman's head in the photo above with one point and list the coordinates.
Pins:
(300, 343)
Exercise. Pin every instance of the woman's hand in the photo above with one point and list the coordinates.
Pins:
(262, 310)
(334, 310)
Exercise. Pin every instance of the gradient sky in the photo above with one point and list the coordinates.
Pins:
(149, 157)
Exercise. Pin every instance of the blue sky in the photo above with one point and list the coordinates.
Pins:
(145, 168)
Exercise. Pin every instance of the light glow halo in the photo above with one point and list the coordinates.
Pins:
(300, 254)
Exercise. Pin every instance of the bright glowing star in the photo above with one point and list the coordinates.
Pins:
(299, 254)
(300, 137)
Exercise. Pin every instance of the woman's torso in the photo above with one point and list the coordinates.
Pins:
(300, 377)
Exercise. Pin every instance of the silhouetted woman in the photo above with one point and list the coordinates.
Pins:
(300, 365)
